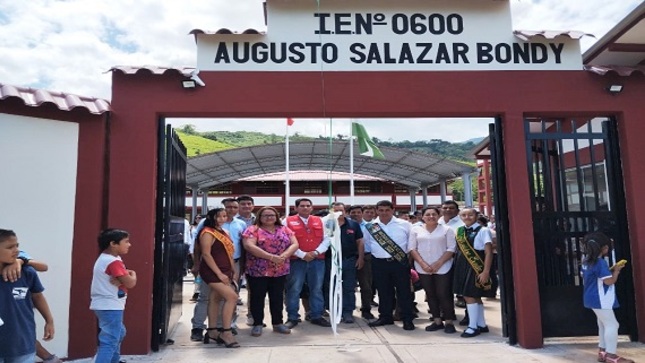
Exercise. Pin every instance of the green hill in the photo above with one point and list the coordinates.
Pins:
(198, 145)
(206, 142)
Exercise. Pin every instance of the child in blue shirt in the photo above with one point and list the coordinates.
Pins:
(600, 296)
(17, 301)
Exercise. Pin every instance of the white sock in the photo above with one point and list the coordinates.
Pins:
(481, 320)
(473, 315)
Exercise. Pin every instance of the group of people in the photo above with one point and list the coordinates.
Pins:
(288, 260)
(450, 250)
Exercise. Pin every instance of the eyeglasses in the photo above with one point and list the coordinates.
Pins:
(269, 216)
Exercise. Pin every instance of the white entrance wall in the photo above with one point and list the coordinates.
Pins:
(38, 162)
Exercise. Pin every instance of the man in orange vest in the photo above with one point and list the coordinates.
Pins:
(307, 264)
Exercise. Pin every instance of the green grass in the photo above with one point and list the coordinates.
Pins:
(197, 145)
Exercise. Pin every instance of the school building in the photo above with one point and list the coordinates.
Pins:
(565, 150)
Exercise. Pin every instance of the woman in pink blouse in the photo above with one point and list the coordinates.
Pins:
(432, 246)
(269, 245)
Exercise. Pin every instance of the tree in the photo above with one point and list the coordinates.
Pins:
(189, 129)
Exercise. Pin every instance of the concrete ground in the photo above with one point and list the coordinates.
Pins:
(360, 343)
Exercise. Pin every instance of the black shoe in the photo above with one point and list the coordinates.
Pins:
(321, 322)
(367, 315)
(466, 334)
(435, 327)
(464, 322)
(197, 335)
(449, 329)
(460, 304)
(483, 329)
(291, 324)
(408, 325)
(381, 322)
(194, 297)
(307, 316)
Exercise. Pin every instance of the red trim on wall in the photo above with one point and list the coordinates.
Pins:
(139, 99)
(88, 216)
(630, 128)
(133, 171)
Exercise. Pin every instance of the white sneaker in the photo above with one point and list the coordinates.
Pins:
(249, 321)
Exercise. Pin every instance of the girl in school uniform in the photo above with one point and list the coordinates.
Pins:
(599, 294)
(473, 261)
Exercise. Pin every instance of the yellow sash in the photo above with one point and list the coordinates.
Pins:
(471, 256)
(225, 239)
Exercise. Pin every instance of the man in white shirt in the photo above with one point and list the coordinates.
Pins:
(450, 215)
(391, 275)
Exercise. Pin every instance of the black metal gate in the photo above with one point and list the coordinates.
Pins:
(170, 253)
(505, 269)
(576, 187)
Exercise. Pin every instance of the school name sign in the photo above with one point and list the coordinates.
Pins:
(417, 40)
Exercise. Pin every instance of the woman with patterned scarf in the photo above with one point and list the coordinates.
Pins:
(216, 269)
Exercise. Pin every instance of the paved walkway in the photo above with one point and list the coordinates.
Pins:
(359, 343)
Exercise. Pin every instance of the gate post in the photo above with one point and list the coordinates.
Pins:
(527, 302)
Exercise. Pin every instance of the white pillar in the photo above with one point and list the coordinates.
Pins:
(443, 190)
(204, 201)
(413, 199)
(468, 189)
(424, 193)
(193, 211)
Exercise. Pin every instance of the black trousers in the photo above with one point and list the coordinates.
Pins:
(260, 286)
(438, 289)
(392, 278)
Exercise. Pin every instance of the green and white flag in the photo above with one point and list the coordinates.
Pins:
(366, 146)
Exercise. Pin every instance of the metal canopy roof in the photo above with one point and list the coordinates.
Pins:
(409, 168)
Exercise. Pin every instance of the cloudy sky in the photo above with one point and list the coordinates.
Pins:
(68, 45)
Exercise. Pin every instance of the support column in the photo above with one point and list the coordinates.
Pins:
(424, 193)
(204, 201)
(443, 190)
(468, 189)
(413, 199)
(193, 211)
(527, 307)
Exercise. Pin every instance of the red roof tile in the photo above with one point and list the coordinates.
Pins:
(227, 31)
(64, 101)
(185, 71)
(623, 71)
(526, 35)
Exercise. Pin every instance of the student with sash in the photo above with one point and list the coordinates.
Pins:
(390, 265)
(217, 270)
(307, 264)
(472, 270)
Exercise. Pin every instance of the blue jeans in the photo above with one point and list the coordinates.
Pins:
(111, 335)
(313, 272)
(349, 285)
(27, 358)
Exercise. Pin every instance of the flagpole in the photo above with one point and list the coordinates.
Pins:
(287, 186)
(351, 162)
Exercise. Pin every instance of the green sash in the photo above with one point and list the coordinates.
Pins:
(471, 255)
(387, 243)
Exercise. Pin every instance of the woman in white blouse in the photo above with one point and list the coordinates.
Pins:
(432, 246)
